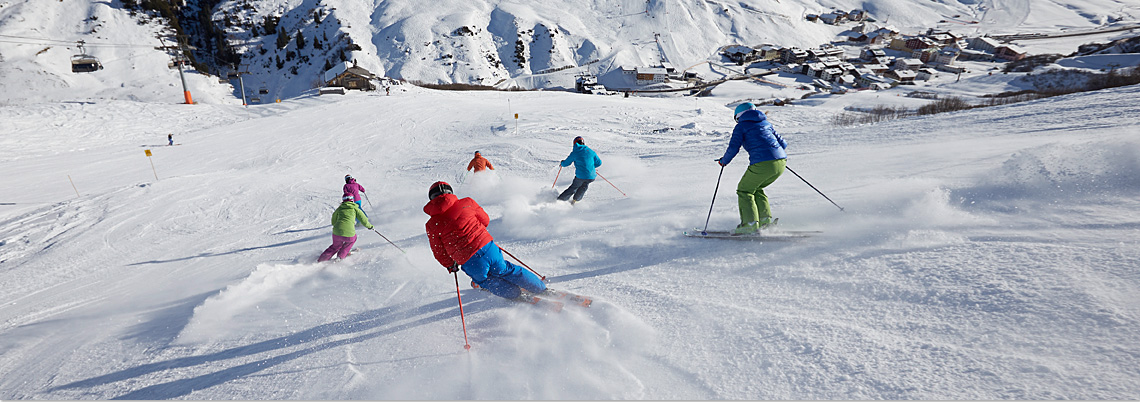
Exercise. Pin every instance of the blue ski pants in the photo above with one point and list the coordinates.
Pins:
(490, 271)
(361, 210)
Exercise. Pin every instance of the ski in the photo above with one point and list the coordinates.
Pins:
(779, 235)
(542, 301)
(335, 259)
(568, 297)
(553, 306)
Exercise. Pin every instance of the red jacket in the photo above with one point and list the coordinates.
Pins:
(457, 228)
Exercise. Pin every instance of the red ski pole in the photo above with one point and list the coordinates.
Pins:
(466, 345)
(608, 181)
(556, 178)
(540, 276)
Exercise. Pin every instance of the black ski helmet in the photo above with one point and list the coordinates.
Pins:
(439, 188)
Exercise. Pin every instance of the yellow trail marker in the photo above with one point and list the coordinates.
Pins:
(148, 154)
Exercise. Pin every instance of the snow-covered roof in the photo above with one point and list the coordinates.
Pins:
(336, 70)
(738, 49)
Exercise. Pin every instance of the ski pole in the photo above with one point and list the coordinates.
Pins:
(370, 207)
(464, 178)
(813, 187)
(705, 231)
(540, 276)
(608, 181)
(556, 177)
(466, 344)
(389, 241)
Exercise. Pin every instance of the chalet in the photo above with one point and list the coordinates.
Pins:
(872, 53)
(925, 74)
(793, 55)
(943, 39)
(825, 51)
(877, 68)
(907, 64)
(830, 74)
(740, 54)
(920, 43)
(846, 79)
(985, 44)
(769, 52)
(897, 43)
(971, 55)
(857, 15)
(945, 56)
(882, 36)
(651, 75)
(901, 75)
(350, 77)
(832, 18)
(630, 71)
(831, 61)
(815, 69)
(584, 81)
(950, 68)
(869, 81)
(811, 17)
(1010, 52)
(860, 72)
(791, 68)
(925, 55)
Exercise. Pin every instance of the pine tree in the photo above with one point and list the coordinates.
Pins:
(282, 38)
(300, 40)
(270, 24)
(317, 44)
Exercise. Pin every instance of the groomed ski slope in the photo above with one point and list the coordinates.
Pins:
(986, 254)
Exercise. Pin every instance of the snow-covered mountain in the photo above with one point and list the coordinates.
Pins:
(487, 42)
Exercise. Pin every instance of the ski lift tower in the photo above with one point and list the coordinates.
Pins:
(178, 52)
(238, 72)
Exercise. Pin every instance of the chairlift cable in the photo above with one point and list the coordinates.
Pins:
(67, 42)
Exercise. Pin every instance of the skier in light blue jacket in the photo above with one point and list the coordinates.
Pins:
(584, 160)
(766, 162)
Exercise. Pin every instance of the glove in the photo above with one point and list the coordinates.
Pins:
(370, 227)
(721, 163)
(453, 268)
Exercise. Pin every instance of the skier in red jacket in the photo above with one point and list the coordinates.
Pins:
(457, 232)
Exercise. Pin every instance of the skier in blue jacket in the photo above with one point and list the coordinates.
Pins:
(766, 162)
(584, 160)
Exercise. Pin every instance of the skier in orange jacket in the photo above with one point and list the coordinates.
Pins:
(479, 163)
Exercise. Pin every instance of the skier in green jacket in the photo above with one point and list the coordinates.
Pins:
(344, 228)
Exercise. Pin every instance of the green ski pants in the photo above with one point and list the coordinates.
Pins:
(750, 192)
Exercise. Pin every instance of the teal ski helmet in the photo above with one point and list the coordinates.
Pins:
(741, 108)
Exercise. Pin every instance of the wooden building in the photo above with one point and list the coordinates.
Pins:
(350, 77)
